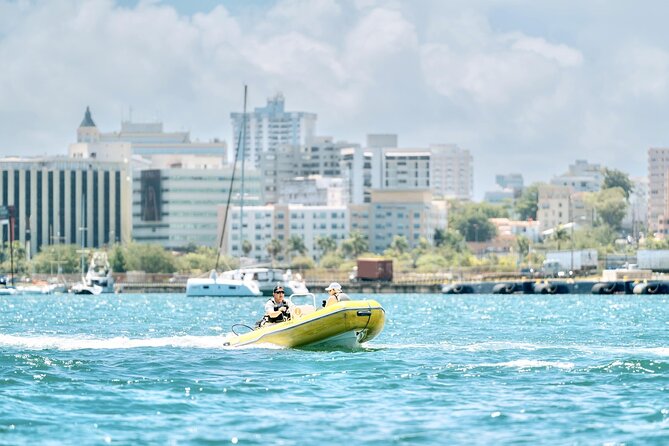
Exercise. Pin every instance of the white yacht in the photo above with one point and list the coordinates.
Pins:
(268, 278)
(226, 284)
(98, 278)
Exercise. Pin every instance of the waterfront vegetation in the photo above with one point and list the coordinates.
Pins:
(465, 244)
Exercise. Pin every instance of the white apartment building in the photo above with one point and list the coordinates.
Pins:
(409, 213)
(452, 171)
(553, 206)
(59, 200)
(271, 127)
(658, 165)
(313, 190)
(356, 170)
(445, 169)
(260, 224)
(559, 205)
(581, 177)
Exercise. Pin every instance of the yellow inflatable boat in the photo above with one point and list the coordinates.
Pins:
(343, 324)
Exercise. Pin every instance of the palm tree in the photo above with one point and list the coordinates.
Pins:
(274, 248)
(358, 243)
(296, 244)
(247, 247)
(399, 244)
(326, 244)
(560, 234)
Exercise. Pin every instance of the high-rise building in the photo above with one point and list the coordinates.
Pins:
(581, 177)
(59, 200)
(452, 171)
(271, 127)
(446, 170)
(658, 165)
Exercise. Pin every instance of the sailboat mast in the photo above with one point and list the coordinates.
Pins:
(241, 196)
(242, 132)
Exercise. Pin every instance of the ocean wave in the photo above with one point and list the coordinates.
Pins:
(527, 364)
(80, 343)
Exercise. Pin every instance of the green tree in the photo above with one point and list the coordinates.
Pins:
(527, 204)
(523, 246)
(117, 259)
(611, 206)
(399, 244)
(472, 220)
(302, 262)
(16, 256)
(296, 245)
(247, 247)
(331, 260)
(203, 259)
(615, 178)
(149, 258)
(50, 258)
(326, 244)
(353, 246)
(273, 248)
(560, 235)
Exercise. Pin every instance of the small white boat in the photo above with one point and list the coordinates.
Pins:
(7, 291)
(222, 285)
(100, 273)
(84, 288)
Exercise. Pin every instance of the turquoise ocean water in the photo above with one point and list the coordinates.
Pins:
(135, 369)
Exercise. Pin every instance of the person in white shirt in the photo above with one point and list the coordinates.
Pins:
(335, 294)
(277, 309)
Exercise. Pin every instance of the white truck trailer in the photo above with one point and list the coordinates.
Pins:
(578, 260)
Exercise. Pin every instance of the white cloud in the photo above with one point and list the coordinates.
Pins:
(505, 82)
(562, 54)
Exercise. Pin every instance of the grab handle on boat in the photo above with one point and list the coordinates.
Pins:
(364, 313)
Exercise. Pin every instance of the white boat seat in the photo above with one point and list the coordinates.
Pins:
(303, 310)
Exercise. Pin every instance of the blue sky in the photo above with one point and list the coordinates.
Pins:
(526, 86)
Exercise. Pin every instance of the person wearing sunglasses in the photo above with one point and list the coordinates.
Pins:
(277, 309)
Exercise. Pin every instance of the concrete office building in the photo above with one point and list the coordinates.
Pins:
(59, 200)
(178, 206)
(146, 140)
(271, 127)
(411, 214)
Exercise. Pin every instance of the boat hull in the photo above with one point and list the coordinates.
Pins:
(221, 288)
(342, 325)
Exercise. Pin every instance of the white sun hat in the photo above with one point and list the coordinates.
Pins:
(334, 286)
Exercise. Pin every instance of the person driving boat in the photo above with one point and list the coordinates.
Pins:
(277, 309)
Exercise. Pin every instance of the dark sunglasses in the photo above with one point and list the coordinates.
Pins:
(279, 292)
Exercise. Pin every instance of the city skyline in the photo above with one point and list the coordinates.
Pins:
(526, 88)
